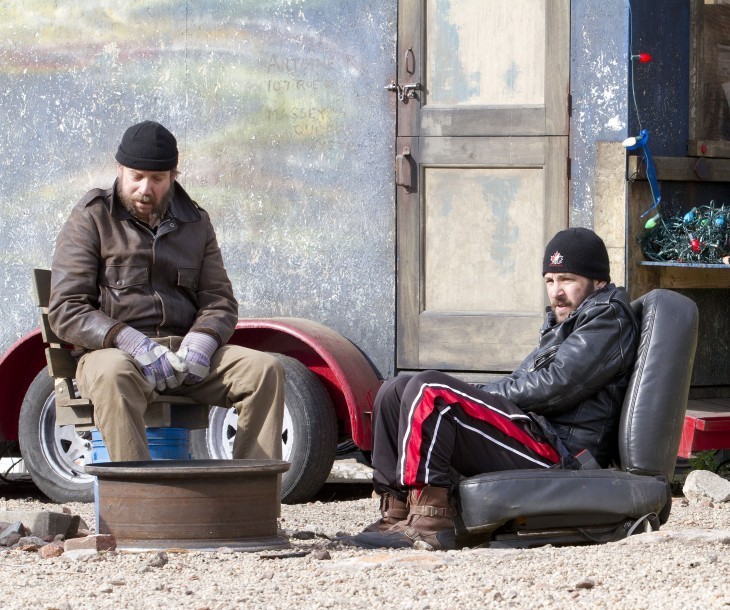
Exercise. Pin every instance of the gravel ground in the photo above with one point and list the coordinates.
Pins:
(684, 565)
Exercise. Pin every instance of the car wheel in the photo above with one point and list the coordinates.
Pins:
(309, 433)
(55, 456)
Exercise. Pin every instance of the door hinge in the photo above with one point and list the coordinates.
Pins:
(570, 105)
(568, 169)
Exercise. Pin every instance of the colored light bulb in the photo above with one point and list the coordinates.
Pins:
(651, 223)
(695, 245)
(642, 57)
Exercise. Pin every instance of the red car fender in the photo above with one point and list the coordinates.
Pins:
(18, 367)
(345, 372)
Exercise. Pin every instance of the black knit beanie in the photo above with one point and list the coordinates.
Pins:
(578, 251)
(148, 146)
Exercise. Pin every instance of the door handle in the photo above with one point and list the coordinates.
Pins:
(403, 169)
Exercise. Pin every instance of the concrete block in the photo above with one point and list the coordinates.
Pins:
(43, 523)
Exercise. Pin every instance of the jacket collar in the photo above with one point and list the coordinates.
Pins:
(182, 207)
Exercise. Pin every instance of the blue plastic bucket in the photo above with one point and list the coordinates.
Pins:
(165, 444)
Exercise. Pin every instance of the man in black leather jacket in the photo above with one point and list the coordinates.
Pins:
(563, 401)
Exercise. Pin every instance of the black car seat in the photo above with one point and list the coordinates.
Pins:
(523, 508)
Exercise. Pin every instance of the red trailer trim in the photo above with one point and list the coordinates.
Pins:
(18, 367)
(706, 426)
(345, 372)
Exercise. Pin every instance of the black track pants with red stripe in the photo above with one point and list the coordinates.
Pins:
(431, 426)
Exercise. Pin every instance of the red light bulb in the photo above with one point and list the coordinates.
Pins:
(642, 57)
(695, 245)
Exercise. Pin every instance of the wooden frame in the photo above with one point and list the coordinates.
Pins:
(709, 104)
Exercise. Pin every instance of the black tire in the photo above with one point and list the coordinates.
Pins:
(309, 437)
(55, 456)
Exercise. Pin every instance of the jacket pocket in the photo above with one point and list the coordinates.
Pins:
(123, 276)
(188, 277)
(544, 358)
(117, 281)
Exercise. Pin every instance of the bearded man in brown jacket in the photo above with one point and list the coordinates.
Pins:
(139, 287)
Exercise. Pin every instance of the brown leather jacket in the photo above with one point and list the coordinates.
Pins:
(108, 268)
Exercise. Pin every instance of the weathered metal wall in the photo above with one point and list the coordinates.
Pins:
(285, 131)
(599, 62)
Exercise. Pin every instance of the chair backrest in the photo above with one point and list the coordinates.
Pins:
(61, 364)
(656, 399)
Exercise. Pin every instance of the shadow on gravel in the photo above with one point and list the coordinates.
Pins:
(21, 490)
(337, 492)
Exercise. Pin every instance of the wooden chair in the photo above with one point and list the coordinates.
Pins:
(165, 412)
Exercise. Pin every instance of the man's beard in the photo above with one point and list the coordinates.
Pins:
(570, 304)
(158, 207)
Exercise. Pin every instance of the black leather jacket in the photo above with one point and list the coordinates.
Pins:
(577, 376)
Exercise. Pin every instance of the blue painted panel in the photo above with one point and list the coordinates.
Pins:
(662, 29)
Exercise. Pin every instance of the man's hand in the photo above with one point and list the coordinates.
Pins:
(196, 350)
(159, 365)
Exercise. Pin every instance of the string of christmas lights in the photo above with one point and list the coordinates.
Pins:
(700, 236)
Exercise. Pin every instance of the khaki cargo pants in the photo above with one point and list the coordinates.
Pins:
(252, 382)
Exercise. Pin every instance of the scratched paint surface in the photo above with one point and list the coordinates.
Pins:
(598, 83)
(284, 128)
(496, 232)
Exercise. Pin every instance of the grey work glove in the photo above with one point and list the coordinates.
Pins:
(196, 350)
(159, 365)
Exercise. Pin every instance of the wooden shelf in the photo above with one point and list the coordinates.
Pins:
(684, 169)
(646, 275)
(686, 275)
(684, 265)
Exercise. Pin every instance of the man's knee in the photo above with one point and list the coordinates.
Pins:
(254, 370)
(429, 377)
(107, 368)
(272, 369)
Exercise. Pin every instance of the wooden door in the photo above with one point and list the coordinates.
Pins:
(481, 170)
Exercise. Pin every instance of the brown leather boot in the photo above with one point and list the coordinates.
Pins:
(392, 510)
(430, 519)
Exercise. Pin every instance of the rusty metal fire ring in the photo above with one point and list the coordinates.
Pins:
(190, 504)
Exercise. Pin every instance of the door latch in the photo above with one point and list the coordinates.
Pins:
(405, 92)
